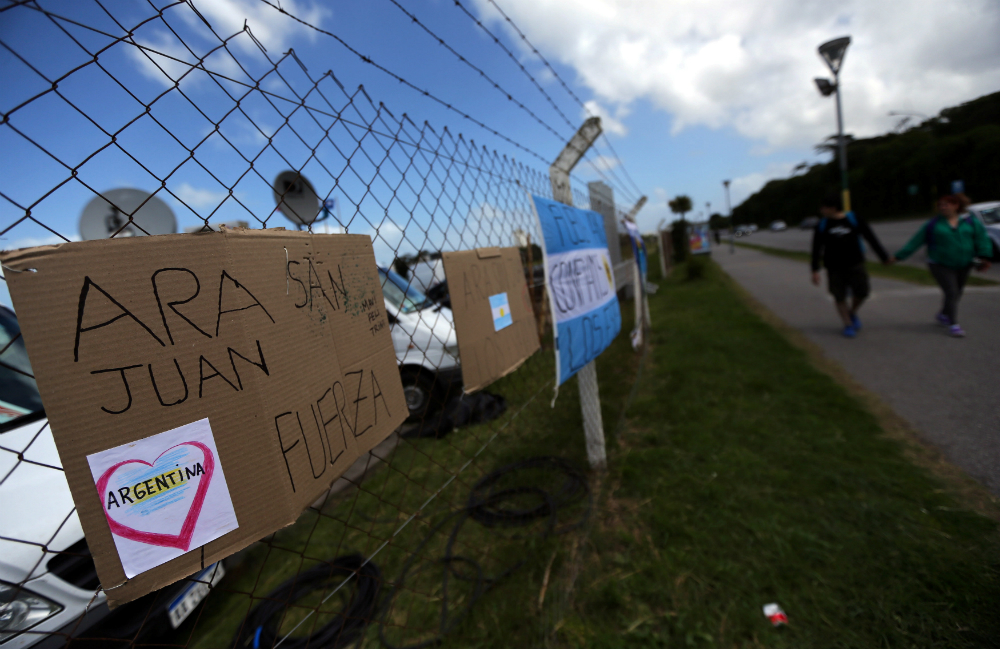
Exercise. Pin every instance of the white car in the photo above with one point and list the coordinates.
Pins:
(989, 214)
(48, 583)
(423, 336)
(778, 226)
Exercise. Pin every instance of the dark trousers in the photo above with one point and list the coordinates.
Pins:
(952, 282)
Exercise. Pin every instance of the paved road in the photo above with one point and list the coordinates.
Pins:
(892, 234)
(948, 389)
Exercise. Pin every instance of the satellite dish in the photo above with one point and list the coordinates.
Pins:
(108, 214)
(296, 198)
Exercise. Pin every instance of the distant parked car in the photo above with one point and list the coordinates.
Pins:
(989, 214)
(809, 222)
(743, 230)
(778, 226)
(753, 227)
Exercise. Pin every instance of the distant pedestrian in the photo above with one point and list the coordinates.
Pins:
(718, 240)
(956, 242)
(837, 242)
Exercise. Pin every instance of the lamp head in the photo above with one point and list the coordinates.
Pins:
(826, 87)
(833, 52)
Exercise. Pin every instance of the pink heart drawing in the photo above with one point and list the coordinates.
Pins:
(180, 541)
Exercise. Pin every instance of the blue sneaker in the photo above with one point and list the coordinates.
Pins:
(855, 322)
(849, 332)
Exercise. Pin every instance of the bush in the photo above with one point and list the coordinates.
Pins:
(679, 239)
(697, 267)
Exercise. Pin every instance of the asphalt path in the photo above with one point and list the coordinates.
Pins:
(947, 388)
(892, 234)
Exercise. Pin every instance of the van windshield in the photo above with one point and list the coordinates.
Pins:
(400, 294)
(991, 215)
(19, 396)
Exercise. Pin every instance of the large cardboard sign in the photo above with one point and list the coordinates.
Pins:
(581, 283)
(494, 320)
(203, 389)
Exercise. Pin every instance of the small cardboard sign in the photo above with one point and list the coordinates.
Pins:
(495, 334)
(279, 339)
(163, 495)
(581, 284)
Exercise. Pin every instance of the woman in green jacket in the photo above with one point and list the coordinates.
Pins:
(954, 239)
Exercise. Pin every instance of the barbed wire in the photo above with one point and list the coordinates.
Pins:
(552, 70)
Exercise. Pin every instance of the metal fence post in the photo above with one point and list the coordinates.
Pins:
(640, 298)
(590, 397)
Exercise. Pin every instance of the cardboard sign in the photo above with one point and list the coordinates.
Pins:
(278, 339)
(581, 284)
(495, 334)
(163, 495)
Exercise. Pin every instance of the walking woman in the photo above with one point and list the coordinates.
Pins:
(954, 240)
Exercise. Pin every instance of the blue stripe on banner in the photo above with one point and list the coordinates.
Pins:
(569, 228)
(583, 338)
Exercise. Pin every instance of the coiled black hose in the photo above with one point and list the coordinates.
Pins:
(260, 630)
(492, 506)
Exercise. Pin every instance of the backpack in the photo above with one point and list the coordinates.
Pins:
(821, 228)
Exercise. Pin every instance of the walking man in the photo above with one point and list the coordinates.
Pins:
(837, 241)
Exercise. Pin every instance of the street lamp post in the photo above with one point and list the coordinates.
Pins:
(833, 53)
(732, 226)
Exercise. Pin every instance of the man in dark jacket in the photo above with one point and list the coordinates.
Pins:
(837, 241)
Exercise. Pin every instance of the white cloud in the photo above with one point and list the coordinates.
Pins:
(31, 242)
(749, 65)
(196, 197)
(609, 123)
(602, 163)
(742, 187)
(277, 33)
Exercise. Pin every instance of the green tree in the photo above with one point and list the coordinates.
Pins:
(718, 222)
(680, 205)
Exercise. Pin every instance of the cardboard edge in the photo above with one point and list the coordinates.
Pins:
(507, 372)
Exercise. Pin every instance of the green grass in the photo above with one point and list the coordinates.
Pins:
(744, 476)
(901, 272)
(747, 476)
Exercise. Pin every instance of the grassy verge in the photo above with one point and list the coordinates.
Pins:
(746, 476)
(901, 272)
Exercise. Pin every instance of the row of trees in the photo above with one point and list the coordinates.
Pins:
(898, 173)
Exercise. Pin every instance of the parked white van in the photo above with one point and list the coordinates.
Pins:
(423, 335)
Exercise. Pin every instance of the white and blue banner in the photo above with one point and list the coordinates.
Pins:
(581, 284)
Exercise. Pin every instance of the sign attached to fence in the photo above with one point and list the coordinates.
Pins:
(581, 284)
(494, 320)
(161, 360)
(699, 238)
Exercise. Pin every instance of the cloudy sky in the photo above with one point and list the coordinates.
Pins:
(690, 92)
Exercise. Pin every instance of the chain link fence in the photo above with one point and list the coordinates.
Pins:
(404, 545)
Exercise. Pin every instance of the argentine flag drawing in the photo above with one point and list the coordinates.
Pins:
(581, 284)
(501, 311)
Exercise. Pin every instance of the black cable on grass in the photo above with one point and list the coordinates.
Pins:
(260, 631)
(495, 506)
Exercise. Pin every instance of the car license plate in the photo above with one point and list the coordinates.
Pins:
(196, 591)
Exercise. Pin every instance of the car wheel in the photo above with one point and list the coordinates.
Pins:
(420, 392)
